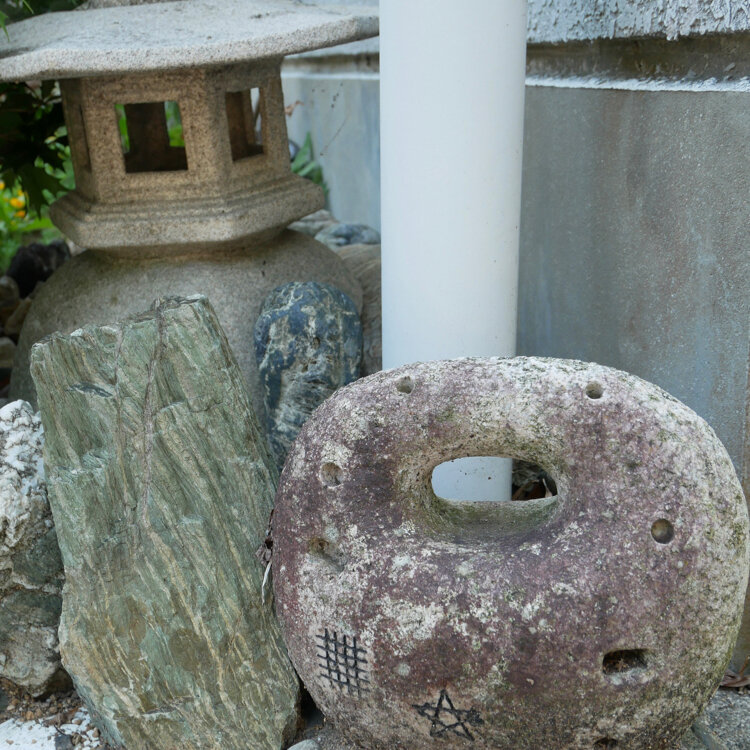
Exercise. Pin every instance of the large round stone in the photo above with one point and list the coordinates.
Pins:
(600, 618)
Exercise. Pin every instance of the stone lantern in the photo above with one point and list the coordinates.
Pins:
(161, 214)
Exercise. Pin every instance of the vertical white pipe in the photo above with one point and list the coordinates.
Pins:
(452, 96)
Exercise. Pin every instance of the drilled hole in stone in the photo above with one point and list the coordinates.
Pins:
(594, 390)
(327, 552)
(331, 474)
(662, 531)
(605, 742)
(626, 660)
(405, 385)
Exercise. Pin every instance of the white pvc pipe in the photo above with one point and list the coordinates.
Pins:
(451, 104)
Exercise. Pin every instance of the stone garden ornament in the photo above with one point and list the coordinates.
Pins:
(169, 212)
(602, 617)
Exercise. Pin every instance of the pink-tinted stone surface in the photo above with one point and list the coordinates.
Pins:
(600, 618)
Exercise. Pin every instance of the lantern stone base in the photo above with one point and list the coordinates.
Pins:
(98, 287)
(173, 226)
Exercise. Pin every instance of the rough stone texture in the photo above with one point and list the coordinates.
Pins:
(728, 717)
(339, 235)
(31, 571)
(35, 263)
(161, 486)
(96, 288)
(7, 352)
(313, 223)
(364, 263)
(605, 614)
(15, 321)
(9, 292)
(170, 35)
(308, 343)
(219, 189)
(698, 737)
(554, 21)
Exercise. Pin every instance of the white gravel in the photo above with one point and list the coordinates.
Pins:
(34, 735)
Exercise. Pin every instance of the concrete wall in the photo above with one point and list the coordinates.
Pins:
(334, 96)
(552, 21)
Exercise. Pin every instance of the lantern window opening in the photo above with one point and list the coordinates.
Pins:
(245, 121)
(151, 136)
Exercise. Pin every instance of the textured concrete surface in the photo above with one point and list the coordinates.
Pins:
(634, 249)
(308, 343)
(340, 107)
(96, 288)
(554, 21)
(170, 35)
(31, 571)
(161, 486)
(605, 614)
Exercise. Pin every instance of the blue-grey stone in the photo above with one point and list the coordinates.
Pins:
(338, 235)
(308, 343)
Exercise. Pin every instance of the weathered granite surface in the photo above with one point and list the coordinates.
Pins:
(602, 617)
(364, 263)
(161, 486)
(313, 223)
(728, 717)
(170, 35)
(308, 343)
(31, 571)
(97, 288)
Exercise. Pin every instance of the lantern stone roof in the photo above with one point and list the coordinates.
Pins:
(124, 38)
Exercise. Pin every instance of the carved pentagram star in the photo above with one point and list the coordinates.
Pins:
(445, 717)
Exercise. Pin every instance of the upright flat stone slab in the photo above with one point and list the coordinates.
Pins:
(603, 617)
(31, 571)
(161, 486)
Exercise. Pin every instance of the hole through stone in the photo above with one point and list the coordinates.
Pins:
(662, 531)
(405, 385)
(473, 478)
(625, 660)
(331, 474)
(151, 136)
(605, 742)
(594, 390)
(244, 119)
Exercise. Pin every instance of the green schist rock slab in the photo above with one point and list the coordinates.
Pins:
(161, 486)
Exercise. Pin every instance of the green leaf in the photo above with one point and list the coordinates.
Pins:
(35, 181)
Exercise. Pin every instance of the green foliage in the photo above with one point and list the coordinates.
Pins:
(174, 124)
(32, 134)
(32, 129)
(305, 165)
(173, 119)
(34, 158)
(17, 226)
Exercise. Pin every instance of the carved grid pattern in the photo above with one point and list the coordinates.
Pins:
(341, 662)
